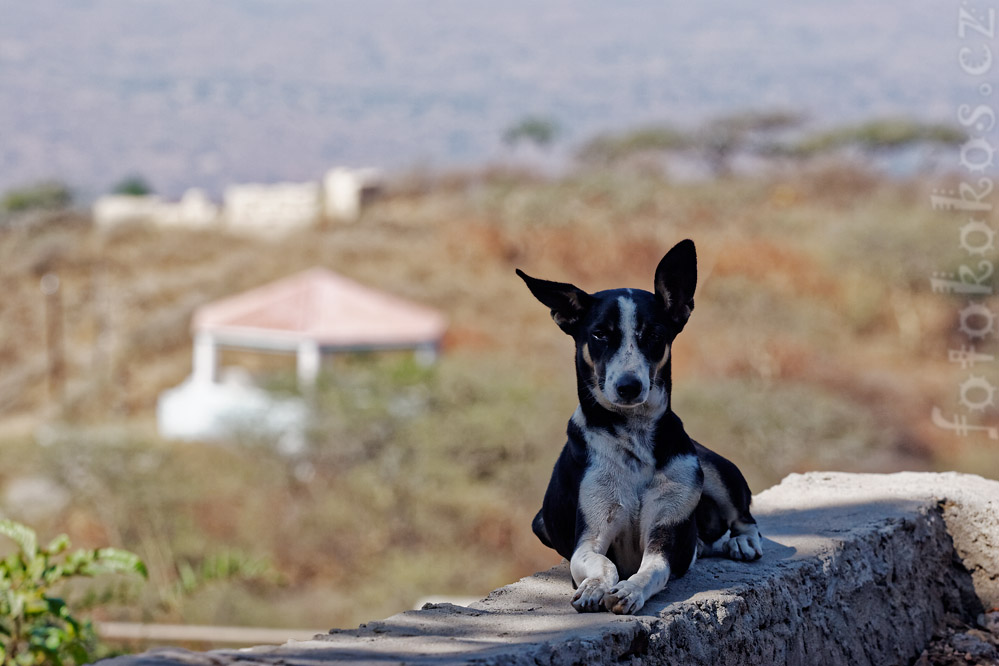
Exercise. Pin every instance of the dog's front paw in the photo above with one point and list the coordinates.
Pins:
(744, 547)
(624, 598)
(589, 595)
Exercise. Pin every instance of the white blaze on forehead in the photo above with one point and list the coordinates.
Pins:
(627, 359)
(629, 322)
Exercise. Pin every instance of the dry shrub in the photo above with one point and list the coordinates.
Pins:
(780, 267)
(837, 184)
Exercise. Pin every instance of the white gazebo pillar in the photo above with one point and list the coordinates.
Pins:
(309, 358)
(426, 355)
(205, 358)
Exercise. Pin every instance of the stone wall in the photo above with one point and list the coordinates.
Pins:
(858, 569)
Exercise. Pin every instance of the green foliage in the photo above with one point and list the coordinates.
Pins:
(135, 186)
(42, 196)
(539, 130)
(716, 140)
(35, 626)
(223, 566)
(880, 135)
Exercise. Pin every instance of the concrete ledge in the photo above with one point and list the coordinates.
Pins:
(858, 569)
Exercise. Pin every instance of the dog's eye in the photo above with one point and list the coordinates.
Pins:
(600, 335)
(653, 336)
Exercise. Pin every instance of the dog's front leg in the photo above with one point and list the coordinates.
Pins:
(601, 517)
(669, 534)
(628, 596)
(593, 573)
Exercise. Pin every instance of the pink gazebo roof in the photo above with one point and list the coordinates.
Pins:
(320, 306)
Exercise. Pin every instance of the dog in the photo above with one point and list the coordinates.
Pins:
(632, 499)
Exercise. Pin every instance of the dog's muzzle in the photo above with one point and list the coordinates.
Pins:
(629, 390)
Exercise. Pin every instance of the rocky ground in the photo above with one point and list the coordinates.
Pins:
(960, 643)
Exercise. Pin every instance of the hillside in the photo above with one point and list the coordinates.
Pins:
(816, 344)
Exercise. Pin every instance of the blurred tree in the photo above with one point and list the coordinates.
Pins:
(135, 186)
(50, 195)
(607, 149)
(879, 136)
(539, 130)
(720, 139)
(717, 141)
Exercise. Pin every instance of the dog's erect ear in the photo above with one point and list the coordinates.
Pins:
(676, 278)
(568, 303)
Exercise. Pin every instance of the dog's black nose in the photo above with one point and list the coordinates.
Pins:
(628, 388)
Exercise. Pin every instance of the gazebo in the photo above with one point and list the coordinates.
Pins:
(308, 314)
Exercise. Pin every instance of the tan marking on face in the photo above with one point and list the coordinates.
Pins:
(586, 355)
(662, 362)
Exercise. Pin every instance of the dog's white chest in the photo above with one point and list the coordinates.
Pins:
(619, 472)
(622, 494)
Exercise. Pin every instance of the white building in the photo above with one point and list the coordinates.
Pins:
(349, 190)
(271, 209)
(194, 210)
(116, 209)
(261, 209)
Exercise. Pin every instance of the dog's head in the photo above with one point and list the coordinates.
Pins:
(623, 336)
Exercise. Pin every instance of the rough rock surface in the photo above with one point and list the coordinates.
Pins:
(959, 643)
(858, 569)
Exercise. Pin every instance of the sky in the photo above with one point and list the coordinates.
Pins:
(192, 93)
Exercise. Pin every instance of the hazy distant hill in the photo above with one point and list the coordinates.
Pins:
(195, 93)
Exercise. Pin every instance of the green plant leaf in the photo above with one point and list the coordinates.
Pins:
(37, 607)
(58, 545)
(25, 659)
(113, 560)
(54, 640)
(22, 535)
(188, 578)
(79, 653)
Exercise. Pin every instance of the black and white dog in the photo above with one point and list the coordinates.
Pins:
(631, 495)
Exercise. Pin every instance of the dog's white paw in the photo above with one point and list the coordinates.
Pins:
(744, 547)
(624, 598)
(589, 595)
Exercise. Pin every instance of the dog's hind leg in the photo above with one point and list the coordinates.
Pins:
(539, 530)
(725, 524)
(745, 542)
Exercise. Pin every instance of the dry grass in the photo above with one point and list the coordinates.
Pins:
(815, 344)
